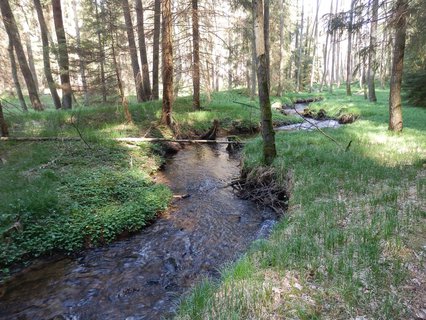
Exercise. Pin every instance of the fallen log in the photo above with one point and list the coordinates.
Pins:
(128, 139)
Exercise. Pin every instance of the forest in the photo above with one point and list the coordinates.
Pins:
(201, 159)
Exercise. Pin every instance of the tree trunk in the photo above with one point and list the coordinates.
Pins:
(311, 86)
(46, 56)
(3, 125)
(156, 49)
(196, 56)
(81, 63)
(395, 108)
(300, 52)
(142, 50)
(372, 52)
(267, 44)
(268, 134)
(133, 52)
(15, 76)
(30, 56)
(349, 55)
(167, 54)
(253, 64)
(101, 51)
(63, 55)
(281, 49)
(124, 101)
(13, 34)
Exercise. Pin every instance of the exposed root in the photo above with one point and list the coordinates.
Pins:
(262, 186)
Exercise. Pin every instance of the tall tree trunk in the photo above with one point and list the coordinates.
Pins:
(326, 55)
(281, 49)
(46, 55)
(101, 50)
(156, 49)
(30, 56)
(81, 63)
(311, 86)
(267, 44)
(196, 56)
(124, 101)
(268, 134)
(300, 51)
(395, 108)
(167, 54)
(13, 33)
(63, 55)
(253, 64)
(372, 52)
(133, 52)
(142, 50)
(15, 76)
(4, 130)
(349, 52)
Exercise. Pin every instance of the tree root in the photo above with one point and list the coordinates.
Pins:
(262, 186)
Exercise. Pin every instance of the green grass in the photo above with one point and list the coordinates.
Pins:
(344, 247)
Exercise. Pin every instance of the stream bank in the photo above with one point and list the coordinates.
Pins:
(142, 277)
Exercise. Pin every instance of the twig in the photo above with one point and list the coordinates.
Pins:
(245, 104)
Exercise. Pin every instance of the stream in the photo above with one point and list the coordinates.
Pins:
(143, 276)
(307, 124)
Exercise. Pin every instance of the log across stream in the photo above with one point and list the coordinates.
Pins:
(144, 276)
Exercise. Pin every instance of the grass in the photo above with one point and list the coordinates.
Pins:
(66, 196)
(345, 248)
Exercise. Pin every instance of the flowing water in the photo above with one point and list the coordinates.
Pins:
(307, 124)
(142, 277)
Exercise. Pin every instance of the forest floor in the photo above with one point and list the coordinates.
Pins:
(64, 196)
(352, 244)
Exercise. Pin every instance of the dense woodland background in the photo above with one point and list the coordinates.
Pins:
(101, 51)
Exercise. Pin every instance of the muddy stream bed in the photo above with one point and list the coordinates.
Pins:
(144, 276)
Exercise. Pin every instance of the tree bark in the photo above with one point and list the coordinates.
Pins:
(156, 49)
(395, 107)
(146, 82)
(281, 49)
(46, 55)
(3, 125)
(314, 55)
(30, 56)
(15, 76)
(196, 56)
(124, 101)
(253, 64)
(13, 33)
(81, 62)
(349, 54)
(300, 52)
(167, 57)
(268, 134)
(267, 42)
(133, 52)
(101, 51)
(63, 55)
(372, 52)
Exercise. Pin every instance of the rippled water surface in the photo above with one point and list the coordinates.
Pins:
(142, 277)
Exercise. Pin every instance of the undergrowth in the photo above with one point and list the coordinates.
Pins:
(345, 249)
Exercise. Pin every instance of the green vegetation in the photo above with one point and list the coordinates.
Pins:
(65, 196)
(353, 234)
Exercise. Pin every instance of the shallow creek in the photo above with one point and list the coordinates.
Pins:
(307, 124)
(143, 276)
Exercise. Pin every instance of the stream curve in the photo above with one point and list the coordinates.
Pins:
(144, 276)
